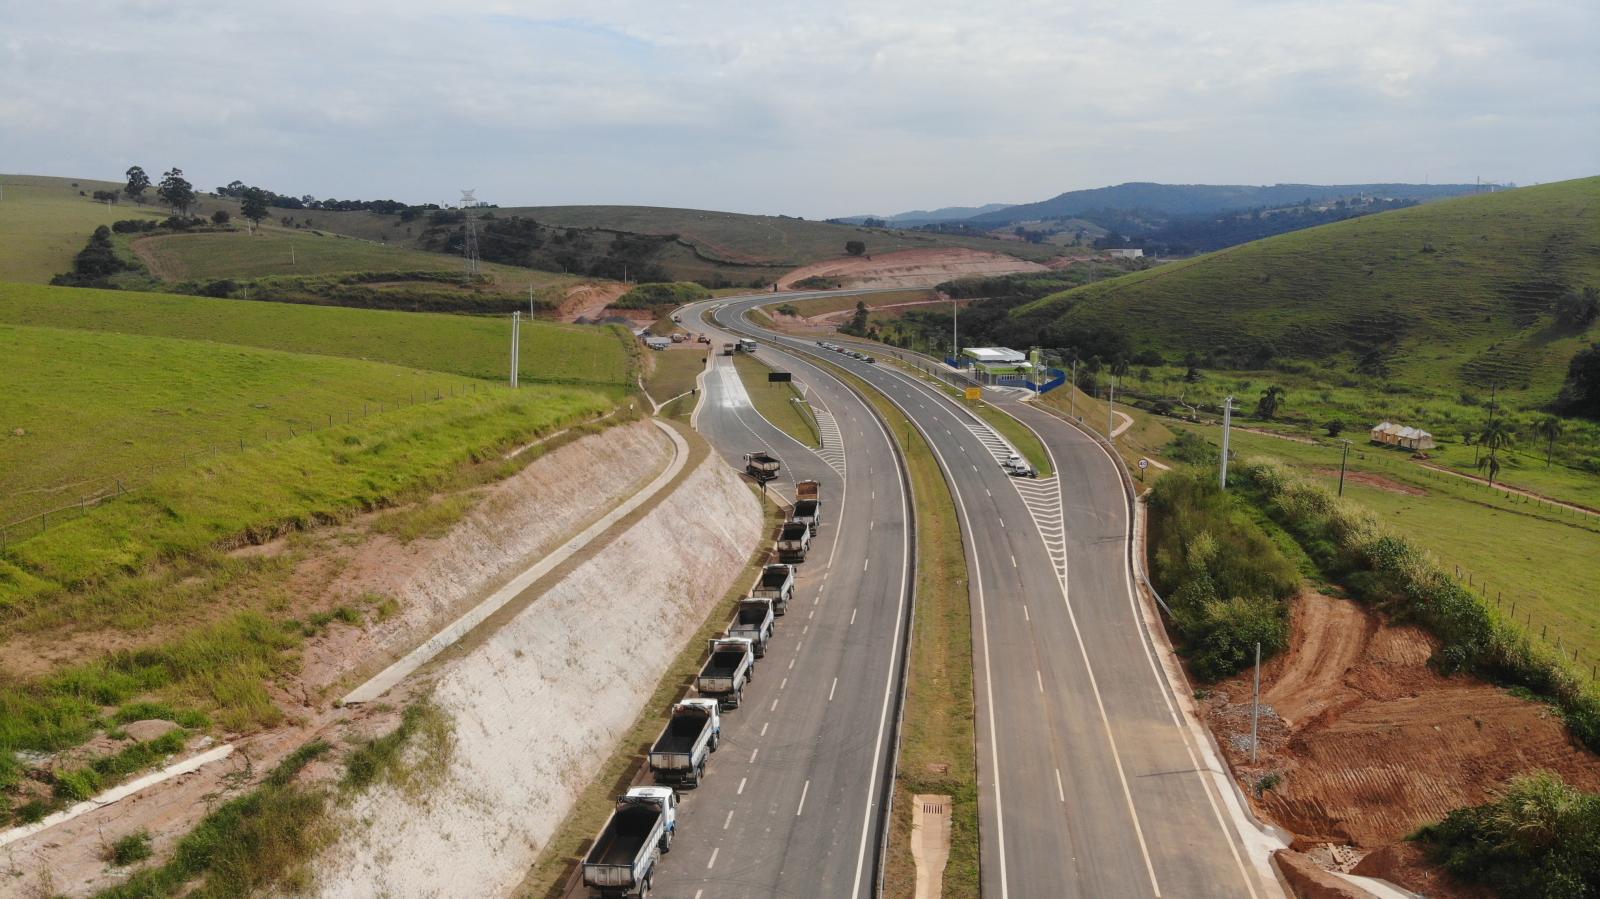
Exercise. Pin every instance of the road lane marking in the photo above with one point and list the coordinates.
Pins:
(729, 820)
(803, 791)
(1013, 561)
(811, 614)
(753, 754)
(1060, 794)
(791, 664)
(865, 564)
(1040, 678)
(1025, 615)
(1002, 521)
(774, 706)
(853, 615)
(764, 728)
(740, 791)
(804, 629)
(713, 859)
(832, 688)
(784, 684)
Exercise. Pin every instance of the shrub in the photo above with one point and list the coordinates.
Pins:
(1541, 839)
(135, 847)
(674, 293)
(1187, 446)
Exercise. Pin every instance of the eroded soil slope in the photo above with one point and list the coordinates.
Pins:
(1368, 742)
(910, 268)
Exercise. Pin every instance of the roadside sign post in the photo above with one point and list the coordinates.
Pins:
(1342, 460)
(1143, 464)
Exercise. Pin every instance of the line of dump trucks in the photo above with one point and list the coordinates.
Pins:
(622, 861)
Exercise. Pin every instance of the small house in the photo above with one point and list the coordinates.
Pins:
(1389, 433)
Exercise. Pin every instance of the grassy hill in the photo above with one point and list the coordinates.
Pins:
(455, 344)
(44, 223)
(1453, 295)
(1203, 199)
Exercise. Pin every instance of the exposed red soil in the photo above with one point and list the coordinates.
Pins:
(909, 268)
(1370, 742)
(588, 301)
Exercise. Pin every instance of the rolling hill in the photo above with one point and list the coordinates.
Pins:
(1454, 293)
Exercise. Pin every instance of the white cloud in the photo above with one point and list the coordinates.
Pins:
(820, 108)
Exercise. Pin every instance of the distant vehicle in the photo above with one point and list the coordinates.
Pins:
(776, 584)
(623, 859)
(794, 540)
(702, 339)
(726, 671)
(692, 733)
(823, 344)
(807, 504)
(754, 622)
(678, 338)
(727, 349)
(762, 465)
(869, 359)
(1017, 468)
(677, 319)
(746, 345)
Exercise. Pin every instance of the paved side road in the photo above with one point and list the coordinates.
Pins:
(1090, 784)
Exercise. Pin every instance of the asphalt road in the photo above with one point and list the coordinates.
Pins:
(791, 801)
(1090, 784)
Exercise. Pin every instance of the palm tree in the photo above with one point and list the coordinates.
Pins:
(1551, 427)
(1271, 399)
(1495, 436)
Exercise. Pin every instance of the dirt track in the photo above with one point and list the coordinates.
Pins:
(1370, 742)
(910, 268)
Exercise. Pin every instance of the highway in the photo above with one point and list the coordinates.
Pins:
(791, 801)
(1090, 784)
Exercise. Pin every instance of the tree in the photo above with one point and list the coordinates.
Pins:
(855, 247)
(1551, 428)
(220, 217)
(1578, 309)
(1580, 393)
(858, 321)
(138, 183)
(1495, 436)
(253, 205)
(1335, 427)
(105, 196)
(1268, 405)
(175, 191)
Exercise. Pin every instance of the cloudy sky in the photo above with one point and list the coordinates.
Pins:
(813, 108)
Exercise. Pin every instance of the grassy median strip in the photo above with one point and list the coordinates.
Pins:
(674, 372)
(551, 872)
(1026, 442)
(778, 403)
(937, 747)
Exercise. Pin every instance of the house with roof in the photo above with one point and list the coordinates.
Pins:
(1389, 433)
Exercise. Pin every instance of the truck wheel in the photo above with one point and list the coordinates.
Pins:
(716, 740)
(644, 889)
(737, 697)
(666, 841)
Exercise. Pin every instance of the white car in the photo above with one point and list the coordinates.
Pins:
(1017, 468)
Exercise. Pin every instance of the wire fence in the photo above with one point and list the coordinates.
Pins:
(89, 494)
(1519, 611)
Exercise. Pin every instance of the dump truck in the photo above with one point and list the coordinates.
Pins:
(754, 622)
(623, 859)
(777, 584)
(762, 465)
(807, 504)
(727, 349)
(726, 671)
(794, 539)
(691, 735)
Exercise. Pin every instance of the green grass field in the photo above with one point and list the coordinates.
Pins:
(824, 305)
(44, 223)
(472, 346)
(95, 408)
(1463, 288)
(1542, 557)
(675, 371)
(777, 403)
(281, 251)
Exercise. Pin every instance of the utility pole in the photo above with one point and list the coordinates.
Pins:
(1072, 390)
(955, 333)
(1342, 460)
(1227, 422)
(530, 299)
(291, 254)
(1255, 710)
(1111, 410)
(516, 345)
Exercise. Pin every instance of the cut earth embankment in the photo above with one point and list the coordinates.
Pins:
(536, 705)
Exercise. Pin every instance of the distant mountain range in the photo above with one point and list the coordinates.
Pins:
(1181, 200)
(927, 216)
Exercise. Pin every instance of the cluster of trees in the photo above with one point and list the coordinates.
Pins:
(95, 263)
(526, 242)
(238, 190)
(1577, 309)
(174, 190)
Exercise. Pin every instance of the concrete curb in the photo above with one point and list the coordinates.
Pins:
(116, 794)
(459, 628)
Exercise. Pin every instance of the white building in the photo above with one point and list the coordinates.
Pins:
(1390, 434)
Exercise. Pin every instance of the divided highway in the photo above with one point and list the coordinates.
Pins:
(791, 802)
(1090, 783)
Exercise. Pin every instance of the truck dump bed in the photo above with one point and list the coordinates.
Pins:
(753, 614)
(723, 663)
(775, 576)
(805, 508)
(619, 845)
(681, 734)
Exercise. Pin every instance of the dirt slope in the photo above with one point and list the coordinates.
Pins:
(1370, 742)
(909, 268)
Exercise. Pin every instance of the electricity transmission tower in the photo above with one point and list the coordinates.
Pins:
(470, 248)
